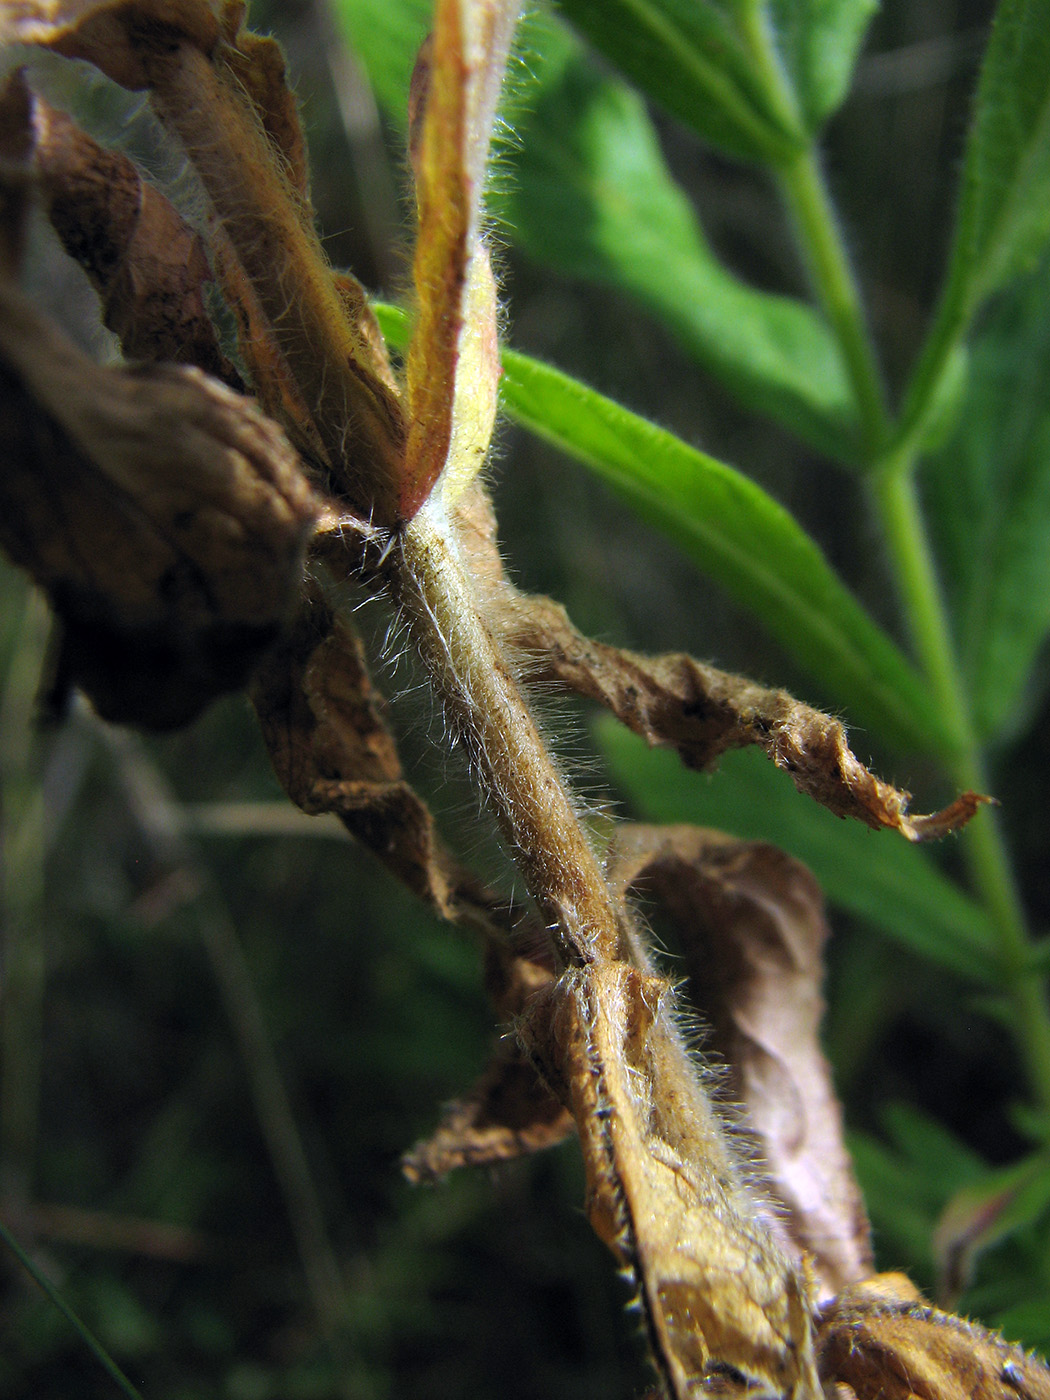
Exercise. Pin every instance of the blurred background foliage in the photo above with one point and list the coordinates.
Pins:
(230, 1022)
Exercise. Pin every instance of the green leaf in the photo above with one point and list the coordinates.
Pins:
(907, 1185)
(741, 538)
(1003, 220)
(591, 195)
(1004, 217)
(819, 41)
(986, 1210)
(385, 36)
(894, 886)
(989, 497)
(695, 58)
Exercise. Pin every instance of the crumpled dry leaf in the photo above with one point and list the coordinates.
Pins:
(165, 517)
(193, 58)
(146, 263)
(884, 1342)
(700, 711)
(510, 1111)
(750, 922)
(726, 1312)
(332, 751)
(453, 360)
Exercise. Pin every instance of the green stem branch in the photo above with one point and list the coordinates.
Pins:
(985, 849)
(893, 476)
(809, 201)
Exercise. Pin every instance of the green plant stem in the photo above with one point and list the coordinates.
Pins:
(809, 201)
(892, 473)
(806, 196)
(985, 849)
(94, 1346)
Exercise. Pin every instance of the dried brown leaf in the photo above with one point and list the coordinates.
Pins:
(324, 726)
(123, 38)
(332, 751)
(725, 1310)
(510, 1112)
(146, 263)
(165, 517)
(884, 1342)
(675, 701)
(453, 361)
(750, 922)
(243, 139)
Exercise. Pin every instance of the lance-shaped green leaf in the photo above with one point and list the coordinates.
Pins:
(1003, 220)
(990, 493)
(592, 196)
(895, 886)
(453, 360)
(736, 532)
(819, 41)
(696, 58)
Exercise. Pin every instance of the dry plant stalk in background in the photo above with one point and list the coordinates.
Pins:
(185, 541)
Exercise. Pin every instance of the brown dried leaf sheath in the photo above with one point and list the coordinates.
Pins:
(750, 921)
(725, 1310)
(453, 362)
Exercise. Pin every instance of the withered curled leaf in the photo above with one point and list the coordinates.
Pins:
(323, 723)
(165, 517)
(243, 139)
(146, 263)
(675, 701)
(750, 923)
(884, 1342)
(510, 1111)
(726, 1311)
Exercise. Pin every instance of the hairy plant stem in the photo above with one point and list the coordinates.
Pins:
(892, 472)
(809, 202)
(485, 707)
